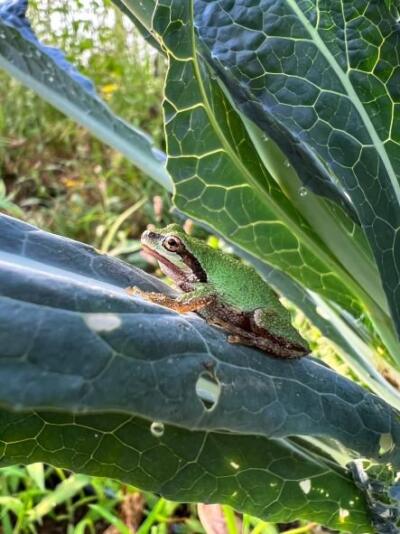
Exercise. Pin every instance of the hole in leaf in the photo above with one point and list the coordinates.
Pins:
(102, 322)
(343, 514)
(157, 429)
(305, 486)
(208, 389)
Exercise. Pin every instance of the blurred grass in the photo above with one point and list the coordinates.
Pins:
(58, 177)
(58, 501)
(45, 500)
(52, 172)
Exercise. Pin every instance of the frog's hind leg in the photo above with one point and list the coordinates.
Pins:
(277, 325)
(268, 345)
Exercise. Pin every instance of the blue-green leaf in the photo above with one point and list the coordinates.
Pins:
(71, 338)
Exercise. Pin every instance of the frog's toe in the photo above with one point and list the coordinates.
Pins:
(133, 291)
(234, 339)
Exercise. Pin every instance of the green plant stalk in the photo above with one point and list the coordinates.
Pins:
(10, 207)
(385, 330)
(6, 523)
(115, 521)
(335, 453)
(106, 244)
(246, 524)
(383, 327)
(230, 519)
(8, 503)
(301, 530)
(124, 249)
(64, 491)
(264, 528)
(324, 451)
(83, 502)
(145, 527)
(36, 472)
(83, 525)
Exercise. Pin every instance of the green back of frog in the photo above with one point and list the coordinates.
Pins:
(236, 283)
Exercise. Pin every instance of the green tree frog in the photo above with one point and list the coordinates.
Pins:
(223, 290)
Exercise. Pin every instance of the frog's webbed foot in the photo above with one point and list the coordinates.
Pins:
(150, 296)
(182, 304)
(237, 339)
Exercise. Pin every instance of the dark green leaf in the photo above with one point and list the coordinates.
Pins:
(322, 80)
(272, 479)
(141, 10)
(145, 32)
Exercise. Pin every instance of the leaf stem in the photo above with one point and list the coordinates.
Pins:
(230, 519)
(386, 332)
(145, 527)
(263, 527)
(105, 246)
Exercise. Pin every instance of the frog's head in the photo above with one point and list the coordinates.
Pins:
(173, 249)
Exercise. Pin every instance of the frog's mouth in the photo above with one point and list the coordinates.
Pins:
(171, 267)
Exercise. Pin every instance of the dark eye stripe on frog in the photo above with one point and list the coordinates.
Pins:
(193, 264)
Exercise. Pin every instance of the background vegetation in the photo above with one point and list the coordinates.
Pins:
(56, 173)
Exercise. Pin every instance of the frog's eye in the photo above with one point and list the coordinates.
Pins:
(172, 243)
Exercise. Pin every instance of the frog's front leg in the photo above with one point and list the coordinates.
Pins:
(187, 302)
